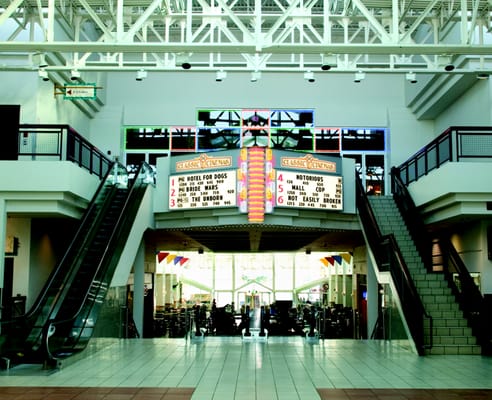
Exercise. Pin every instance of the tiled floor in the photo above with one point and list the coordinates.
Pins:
(280, 369)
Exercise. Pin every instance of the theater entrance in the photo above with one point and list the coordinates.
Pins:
(285, 293)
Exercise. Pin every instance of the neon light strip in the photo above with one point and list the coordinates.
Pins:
(256, 184)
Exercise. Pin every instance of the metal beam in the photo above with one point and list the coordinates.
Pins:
(237, 48)
(9, 11)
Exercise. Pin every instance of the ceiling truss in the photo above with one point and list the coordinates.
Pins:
(247, 35)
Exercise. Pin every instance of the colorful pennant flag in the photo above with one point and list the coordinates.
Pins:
(161, 255)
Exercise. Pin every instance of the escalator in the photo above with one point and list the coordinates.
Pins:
(62, 319)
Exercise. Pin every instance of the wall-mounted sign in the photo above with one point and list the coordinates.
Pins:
(303, 190)
(203, 190)
(83, 91)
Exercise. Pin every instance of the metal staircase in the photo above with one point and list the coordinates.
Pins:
(450, 332)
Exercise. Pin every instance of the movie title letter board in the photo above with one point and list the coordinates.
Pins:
(298, 189)
(208, 189)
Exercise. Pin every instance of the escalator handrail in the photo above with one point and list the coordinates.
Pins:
(53, 322)
(39, 300)
(378, 243)
(84, 221)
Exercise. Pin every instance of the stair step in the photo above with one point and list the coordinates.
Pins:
(459, 322)
(436, 314)
(454, 340)
(451, 331)
(441, 307)
(454, 349)
(436, 291)
(440, 299)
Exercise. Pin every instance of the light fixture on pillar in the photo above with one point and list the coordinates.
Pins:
(445, 61)
(220, 75)
(141, 75)
(411, 77)
(75, 75)
(328, 61)
(482, 76)
(309, 76)
(359, 76)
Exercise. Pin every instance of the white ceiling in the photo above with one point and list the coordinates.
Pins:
(248, 35)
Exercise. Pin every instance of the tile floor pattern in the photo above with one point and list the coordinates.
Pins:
(280, 369)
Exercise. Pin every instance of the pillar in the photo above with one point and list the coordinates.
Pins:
(372, 296)
(138, 288)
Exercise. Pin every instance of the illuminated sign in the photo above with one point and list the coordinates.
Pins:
(302, 190)
(308, 162)
(204, 162)
(208, 189)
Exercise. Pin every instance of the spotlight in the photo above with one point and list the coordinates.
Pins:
(482, 75)
(141, 75)
(43, 74)
(445, 62)
(75, 75)
(220, 75)
(39, 60)
(309, 76)
(359, 76)
(183, 61)
(255, 75)
(328, 61)
(411, 77)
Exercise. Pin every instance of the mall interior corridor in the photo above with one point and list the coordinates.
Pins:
(281, 368)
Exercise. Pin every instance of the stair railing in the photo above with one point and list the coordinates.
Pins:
(389, 258)
(412, 218)
(459, 279)
(463, 287)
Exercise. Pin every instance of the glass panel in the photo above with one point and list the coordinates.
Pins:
(284, 269)
(223, 272)
(327, 139)
(253, 268)
(218, 138)
(363, 139)
(150, 138)
(183, 138)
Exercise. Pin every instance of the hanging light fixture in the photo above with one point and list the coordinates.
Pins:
(43, 74)
(328, 61)
(359, 76)
(141, 75)
(75, 75)
(220, 75)
(309, 76)
(411, 77)
(255, 76)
